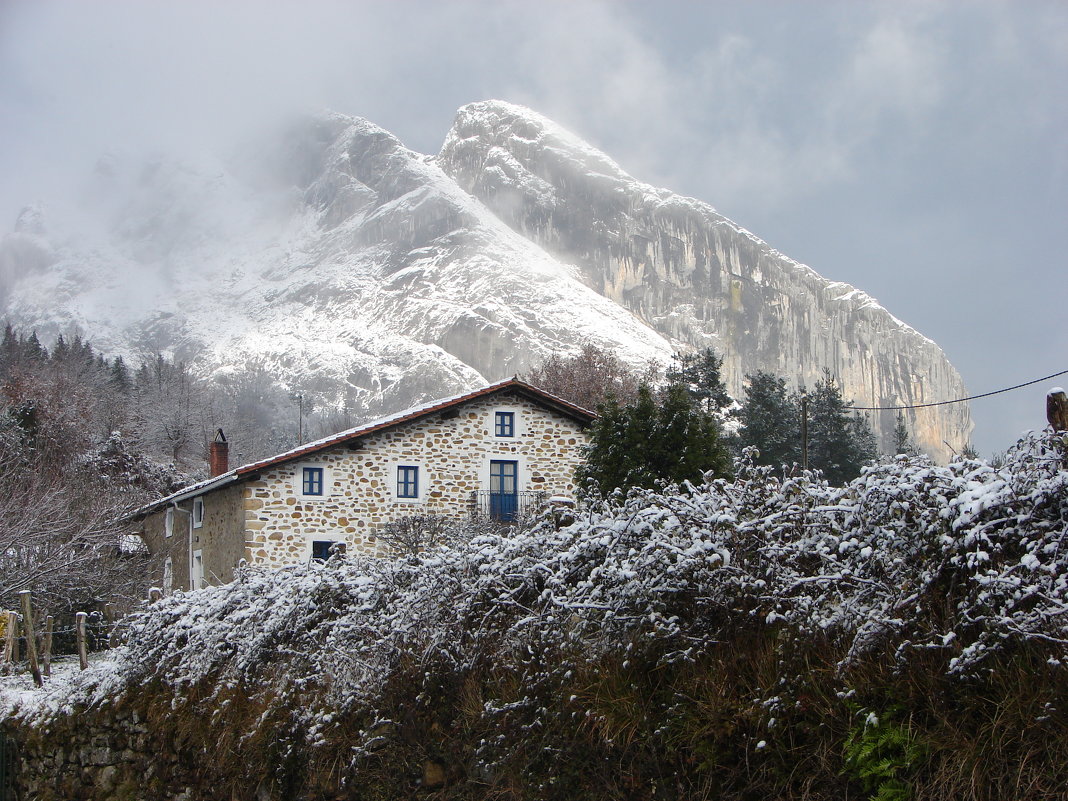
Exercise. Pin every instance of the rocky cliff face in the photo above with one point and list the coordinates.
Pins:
(355, 268)
(693, 275)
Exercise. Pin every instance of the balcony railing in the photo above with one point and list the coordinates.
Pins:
(506, 507)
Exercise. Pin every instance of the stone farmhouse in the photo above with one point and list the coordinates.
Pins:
(493, 451)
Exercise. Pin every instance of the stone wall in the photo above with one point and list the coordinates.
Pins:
(103, 756)
(452, 450)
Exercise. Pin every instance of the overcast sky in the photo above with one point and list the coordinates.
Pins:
(916, 150)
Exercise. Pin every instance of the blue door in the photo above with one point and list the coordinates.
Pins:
(504, 490)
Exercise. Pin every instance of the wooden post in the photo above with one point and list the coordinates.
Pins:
(13, 622)
(109, 616)
(31, 639)
(79, 628)
(46, 650)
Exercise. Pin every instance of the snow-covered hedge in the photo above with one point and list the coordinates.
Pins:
(966, 559)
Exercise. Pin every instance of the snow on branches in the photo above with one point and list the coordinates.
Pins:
(965, 559)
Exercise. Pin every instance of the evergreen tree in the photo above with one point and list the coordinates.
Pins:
(839, 444)
(33, 349)
(770, 420)
(119, 376)
(652, 441)
(700, 374)
(902, 441)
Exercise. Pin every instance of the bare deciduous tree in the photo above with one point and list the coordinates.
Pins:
(588, 378)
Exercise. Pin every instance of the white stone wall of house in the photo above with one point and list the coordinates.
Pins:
(453, 453)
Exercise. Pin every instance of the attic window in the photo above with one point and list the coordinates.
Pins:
(312, 482)
(407, 481)
(504, 424)
(198, 512)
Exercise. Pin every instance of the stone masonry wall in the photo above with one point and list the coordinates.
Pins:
(452, 450)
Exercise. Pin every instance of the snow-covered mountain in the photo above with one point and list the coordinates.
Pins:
(344, 263)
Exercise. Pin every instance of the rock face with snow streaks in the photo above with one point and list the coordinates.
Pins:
(347, 265)
(695, 276)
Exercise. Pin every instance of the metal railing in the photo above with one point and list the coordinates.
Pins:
(506, 507)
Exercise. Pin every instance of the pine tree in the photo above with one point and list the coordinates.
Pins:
(770, 420)
(902, 441)
(652, 441)
(700, 374)
(119, 376)
(839, 444)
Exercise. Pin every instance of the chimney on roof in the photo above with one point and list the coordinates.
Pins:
(218, 455)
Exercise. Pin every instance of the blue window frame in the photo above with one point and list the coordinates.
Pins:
(407, 481)
(312, 483)
(324, 549)
(504, 490)
(504, 424)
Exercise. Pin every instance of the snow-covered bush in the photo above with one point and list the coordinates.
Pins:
(960, 566)
(911, 555)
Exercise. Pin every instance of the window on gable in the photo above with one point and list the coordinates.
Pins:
(312, 482)
(198, 512)
(407, 481)
(168, 522)
(504, 424)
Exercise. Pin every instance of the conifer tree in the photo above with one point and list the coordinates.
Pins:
(770, 420)
(902, 441)
(652, 441)
(839, 444)
(700, 374)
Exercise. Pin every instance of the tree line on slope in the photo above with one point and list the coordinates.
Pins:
(84, 438)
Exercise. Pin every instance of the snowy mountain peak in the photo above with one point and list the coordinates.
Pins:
(343, 264)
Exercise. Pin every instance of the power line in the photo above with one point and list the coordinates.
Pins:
(958, 400)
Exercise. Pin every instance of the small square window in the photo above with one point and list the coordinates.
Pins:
(504, 424)
(313, 481)
(324, 549)
(407, 481)
(198, 512)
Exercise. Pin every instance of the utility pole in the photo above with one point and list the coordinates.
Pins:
(804, 432)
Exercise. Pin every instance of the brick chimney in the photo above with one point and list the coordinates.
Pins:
(218, 455)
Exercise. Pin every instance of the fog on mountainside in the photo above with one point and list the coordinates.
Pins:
(348, 267)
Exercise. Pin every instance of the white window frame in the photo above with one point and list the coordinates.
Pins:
(421, 487)
(196, 582)
(522, 474)
(168, 522)
(198, 512)
(312, 538)
(518, 423)
(298, 481)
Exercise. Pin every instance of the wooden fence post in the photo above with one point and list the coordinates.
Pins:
(79, 628)
(46, 655)
(31, 639)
